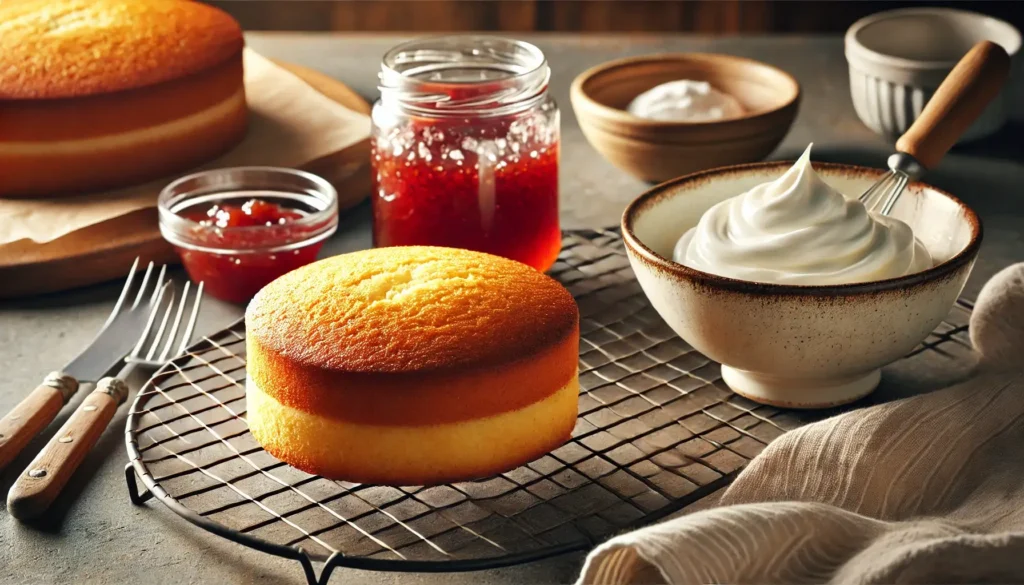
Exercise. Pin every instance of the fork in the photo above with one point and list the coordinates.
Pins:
(959, 100)
(36, 489)
(114, 340)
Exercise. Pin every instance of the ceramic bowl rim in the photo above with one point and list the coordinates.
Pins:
(622, 116)
(664, 190)
(854, 44)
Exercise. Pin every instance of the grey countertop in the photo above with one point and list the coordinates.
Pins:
(95, 535)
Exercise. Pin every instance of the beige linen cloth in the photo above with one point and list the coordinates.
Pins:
(929, 489)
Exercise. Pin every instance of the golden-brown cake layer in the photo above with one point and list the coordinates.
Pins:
(403, 455)
(99, 115)
(99, 94)
(54, 167)
(414, 399)
(51, 49)
(412, 336)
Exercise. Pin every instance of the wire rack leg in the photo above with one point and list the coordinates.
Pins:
(138, 498)
(332, 562)
(307, 568)
(310, 572)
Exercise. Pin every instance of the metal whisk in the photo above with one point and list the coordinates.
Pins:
(958, 101)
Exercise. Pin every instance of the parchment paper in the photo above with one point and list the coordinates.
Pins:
(290, 124)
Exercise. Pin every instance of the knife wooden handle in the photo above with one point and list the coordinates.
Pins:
(40, 484)
(37, 410)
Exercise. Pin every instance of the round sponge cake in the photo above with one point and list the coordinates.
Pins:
(412, 365)
(105, 93)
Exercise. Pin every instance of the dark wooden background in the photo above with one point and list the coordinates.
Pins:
(702, 16)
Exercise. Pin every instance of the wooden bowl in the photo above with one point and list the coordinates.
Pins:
(657, 150)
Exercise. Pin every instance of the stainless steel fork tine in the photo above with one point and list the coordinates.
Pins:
(174, 326)
(142, 288)
(159, 283)
(159, 335)
(192, 320)
(124, 293)
(149, 322)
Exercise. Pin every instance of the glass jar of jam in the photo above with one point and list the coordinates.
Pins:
(465, 149)
(237, 229)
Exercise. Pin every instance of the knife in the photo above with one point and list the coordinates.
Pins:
(114, 340)
(38, 487)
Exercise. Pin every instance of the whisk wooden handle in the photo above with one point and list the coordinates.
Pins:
(961, 98)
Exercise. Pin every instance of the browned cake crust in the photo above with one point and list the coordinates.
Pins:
(52, 49)
(412, 364)
(98, 94)
(359, 337)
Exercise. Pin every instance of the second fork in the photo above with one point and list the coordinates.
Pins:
(40, 484)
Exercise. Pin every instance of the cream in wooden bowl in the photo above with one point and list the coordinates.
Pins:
(799, 344)
(655, 150)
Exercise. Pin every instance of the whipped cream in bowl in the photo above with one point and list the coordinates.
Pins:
(799, 292)
(799, 230)
(685, 100)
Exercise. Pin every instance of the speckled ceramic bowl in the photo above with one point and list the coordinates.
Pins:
(798, 346)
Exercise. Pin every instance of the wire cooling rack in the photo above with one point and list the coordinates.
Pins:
(657, 430)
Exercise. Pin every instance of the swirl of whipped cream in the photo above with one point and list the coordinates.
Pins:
(799, 230)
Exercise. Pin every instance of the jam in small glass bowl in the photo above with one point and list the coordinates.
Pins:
(237, 229)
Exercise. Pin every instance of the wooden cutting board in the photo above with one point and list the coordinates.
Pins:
(105, 251)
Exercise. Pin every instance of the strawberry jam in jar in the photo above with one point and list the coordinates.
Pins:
(465, 149)
(237, 229)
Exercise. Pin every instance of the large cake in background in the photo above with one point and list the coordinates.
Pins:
(99, 94)
(412, 365)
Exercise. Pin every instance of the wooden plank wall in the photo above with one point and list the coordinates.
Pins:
(702, 16)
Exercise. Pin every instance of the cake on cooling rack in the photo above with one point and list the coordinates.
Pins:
(412, 366)
(105, 93)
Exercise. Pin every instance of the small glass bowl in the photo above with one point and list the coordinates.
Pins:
(236, 262)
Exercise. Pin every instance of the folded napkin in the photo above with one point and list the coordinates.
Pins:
(929, 489)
